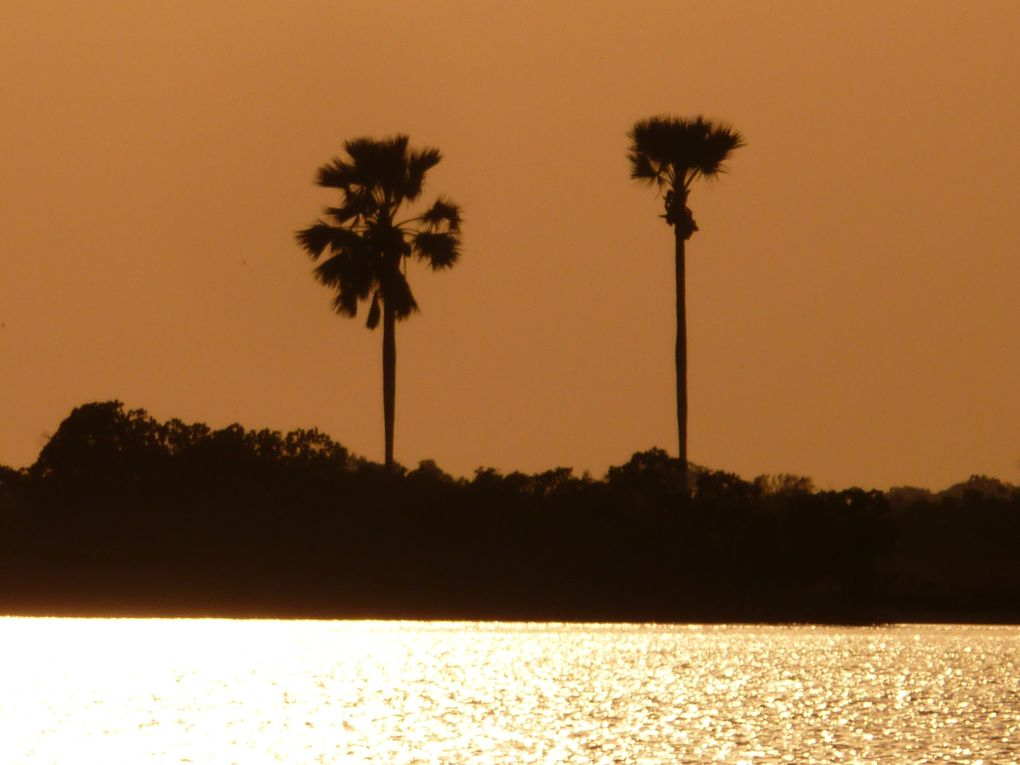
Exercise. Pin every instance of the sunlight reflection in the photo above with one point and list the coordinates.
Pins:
(327, 692)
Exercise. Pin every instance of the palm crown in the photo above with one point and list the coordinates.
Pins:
(672, 152)
(367, 242)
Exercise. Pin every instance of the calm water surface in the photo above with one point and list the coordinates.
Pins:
(215, 691)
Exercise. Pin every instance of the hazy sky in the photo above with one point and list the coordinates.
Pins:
(852, 294)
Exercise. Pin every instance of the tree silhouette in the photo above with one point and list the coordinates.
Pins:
(368, 243)
(672, 153)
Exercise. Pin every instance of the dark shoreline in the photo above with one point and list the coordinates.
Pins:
(123, 515)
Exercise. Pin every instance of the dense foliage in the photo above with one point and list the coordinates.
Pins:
(124, 514)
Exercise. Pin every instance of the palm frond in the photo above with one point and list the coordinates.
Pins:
(443, 211)
(353, 207)
(345, 303)
(315, 238)
(719, 144)
(642, 169)
(660, 139)
(379, 164)
(320, 235)
(348, 271)
(418, 163)
(438, 249)
(396, 293)
(336, 174)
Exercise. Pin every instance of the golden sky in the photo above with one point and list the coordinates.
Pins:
(853, 306)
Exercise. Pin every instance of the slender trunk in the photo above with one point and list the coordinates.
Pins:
(389, 374)
(681, 357)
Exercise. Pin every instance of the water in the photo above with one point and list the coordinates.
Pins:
(210, 691)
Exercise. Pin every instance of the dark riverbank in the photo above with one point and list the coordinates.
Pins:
(123, 515)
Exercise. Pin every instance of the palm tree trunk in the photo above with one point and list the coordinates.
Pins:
(681, 357)
(389, 373)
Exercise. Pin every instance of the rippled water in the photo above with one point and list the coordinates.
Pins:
(210, 691)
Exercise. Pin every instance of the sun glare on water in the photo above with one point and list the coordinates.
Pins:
(170, 690)
(221, 691)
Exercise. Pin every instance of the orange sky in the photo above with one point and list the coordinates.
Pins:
(852, 293)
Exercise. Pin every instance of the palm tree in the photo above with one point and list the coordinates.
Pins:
(672, 153)
(368, 238)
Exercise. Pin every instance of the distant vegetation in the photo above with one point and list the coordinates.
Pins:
(122, 514)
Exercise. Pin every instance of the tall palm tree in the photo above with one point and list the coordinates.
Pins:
(368, 238)
(672, 153)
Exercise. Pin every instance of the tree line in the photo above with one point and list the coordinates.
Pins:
(124, 514)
